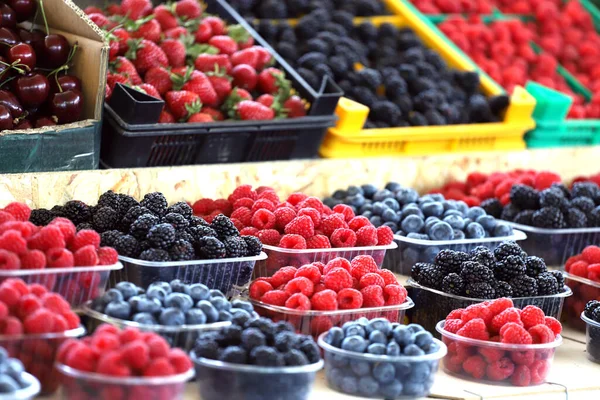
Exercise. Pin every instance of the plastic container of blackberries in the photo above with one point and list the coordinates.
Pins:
(592, 338)
(26, 393)
(415, 373)
(411, 251)
(532, 356)
(555, 246)
(229, 275)
(182, 336)
(218, 380)
(584, 290)
(314, 322)
(427, 316)
(279, 257)
(77, 384)
(38, 353)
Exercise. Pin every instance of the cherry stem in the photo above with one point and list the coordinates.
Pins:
(57, 83)
(44, 16)
(6, 81)
(35, 17)
(65, 66)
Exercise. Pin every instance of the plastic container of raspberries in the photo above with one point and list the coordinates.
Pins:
(76, 284)
(218, 380)
(279, 257)
(428, 317)
(537, 358)
(229, 275)
(78, 384)
(592, 338)
(27, 393)
(584, 290)
(411, 251)
(314, 322)
(555, 246)
(349, 364)
(38, 353)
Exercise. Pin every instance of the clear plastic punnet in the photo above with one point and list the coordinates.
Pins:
(592, 338)
(555, 246)
(26, 393)
(218, 380)
(229, 275)
(78, 384)
(76, 284)
(415, 374)
(505, 363)
(314, 322)
(411, 251)
(279, 257)
(434, 305)
(584, 290)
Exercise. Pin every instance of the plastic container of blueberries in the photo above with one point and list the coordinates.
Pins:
(592, 338)
(229, 275)
(555, 246)
(182, 336)
(26, 393)
(76, 284)
(314, 322)
(218, 380)
(38, 353)
(278, 257)
(539, 356)
(428, 316)
(416, 374)
(77, 384)
(584, 290)
(411, 251)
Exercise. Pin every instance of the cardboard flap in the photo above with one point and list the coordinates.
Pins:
(66, 16)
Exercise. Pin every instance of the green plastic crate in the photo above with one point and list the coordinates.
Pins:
(593, 7)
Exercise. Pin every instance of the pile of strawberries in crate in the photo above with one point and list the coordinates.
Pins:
(204, 69)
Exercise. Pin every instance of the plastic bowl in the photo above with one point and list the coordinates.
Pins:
(584, 290)
(313, 322)
(87, 385)
(26, 393)
(411, 251)
(351, 373)
(229, 275)
(427, 316)
(218, 380)
(592, 338)
(555, 246)
(278, 257)
(38, 353)
(537, 358)
(183, 336)
(76, 284)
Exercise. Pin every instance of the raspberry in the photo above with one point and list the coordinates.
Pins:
(293, 241)
(325, 300)
(243, 214)
(343, 237)
(302, 226)
(521, 376)
(299, 285)
(337, 262)
(349, 299)
(59, 258)
(3, 311)
(475, 366)
(275, 297)
(136, 354)
(111, 363)
(250, 231)
(85, 237)
(158, 346)
(40, 321)
(319, 265)
(298, 301)
(490, 354)
(33, 259)
(309, 271)
(269, 237)
(13, 242)
(319, 287)
(539, 370)
(79, 356)
(263, 204)
(394, 295)
(332, 222)
(180, 361)
(265, 192)
(509, 315)
(107, 328)
(47, 238)
(9, 260)
(479, 310)
(241, 192)
(345, 210)
(531, 316)
(388, 276)
(514, 333)
(6, 217)
(258, 288)
(541, 334)
(20, 211)
(37, 289)
(128, 335)
(499, 305)
(311, 202)
(456, 314)
(318, 242)
(283, 276)
(553, 324)
(105, 342)
(9, 295)
(337, 279)
(27, 305)
(453, 325)
(18, 284)
(362, 265)
(66, 227)
(11, 326)
(500, 370)
(72, 319)
(25, 228)
(313, 214)
(107, 256)
(366, 236)
(86, 256)
(372, 296)
(474, 329)
(572, 260)
(263, 219)
(296, 198)
(591, 254)
(545, 179)
(55, 303)
(203, 206)
(358, 222)
(579, 268)
(283, 216)
(385, 235)
(371, 279)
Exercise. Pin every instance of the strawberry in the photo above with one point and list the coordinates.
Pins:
(99, 19)
(294, 107)
(160, 78)
(203, 33)
(176, 33)
(113, 47)
(175, 51)
(247, 56)
(166, 117)
(266, 99)
(149, 30)
(125, 67)
(246, 44)
(252, 110)
(135, 9)
(122, 36)
(188, 9)
(272, 80)
(165, 17)
(217, 25)
(221, 84)
(214, 113)
(114, 9)
(207, 62)
(197, 82)
(149, 90)
(264, 57)
(200, 117)
(244, 76)
(239, 34)
(92, 10)
(146, 54)
(225, 44)
(236, 96)
(107, 92)
(180, 101)
(113, 79)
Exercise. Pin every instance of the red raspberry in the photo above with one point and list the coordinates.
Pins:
(591, 254)
(553, 324)
(269, 237)
(325, 300)
(453, 325)
(299, 285)
(296, 198)
(129, 334)
(27, 305)
(18, 284)
(302, 226)
(539, 370)
(531, 316)
(572, 260)
(337, 279)
(108, 329)
(541, 334)
(158, 346)
(474, 329)
(3, 310)
(241, 192)
(268, 194)
(66, 227)
(258, 288)
(313, 214)
(283, 276)
(20, 211)
(263, 219)
(249, 231)
(6, 217)
(385, 235)
(358, 222)
(37, 289)
(159, 367)
(362, 265)
(343, 237)
(112, 364)
(79, 356)
(521, 376)
(371, 279)
(311, 202)
(275, 297)
(85, 237)
(319, 265)
(499, 305)
(345, 210)
(25, 228)
(136, 354)
(500, 370)
(332, 222)
(243, 202)
(13, 242)
(40, 321)
(579, 268)
(594, 272)
(509, 315)
(372, 296)
(545, 179)
(9, 295)
(33, 259)
(59, 258)
(238, 224)
(293, 242)
(394, 295)
(263, 204)
(243, 214)
(180, 361)
(514, 333)
(319, 287)
(475, 366)
(86, 256)
(55, 303)
(107, 256)
(490, 354)
(388, 276)
(337, 262)
(105, 342)
(456, 314)
(283, 216)
(9, 260)
(479, 310)
(298, 301)
(309, 271)
(72, 319)
(318, 242)
(47, 238)
(11, 326)
(366, 236)
(203, 206)
(349, 299)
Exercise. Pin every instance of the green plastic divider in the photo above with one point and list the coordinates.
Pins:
(594, 9)
(551, 105)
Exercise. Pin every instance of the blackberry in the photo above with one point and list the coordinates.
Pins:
(155, 255)
(178, 221)
(565, 190)
(364, 96)
(84, 225)
(535, 266)
(450, 261)
(483, 256)
(474, 272)
(585, 204)
(57, 211)
(551, 198)
(453, 284)
(415, 118)
(506, 249)
(585, 189)
(109, 199)
(338, 65)
(197, 221)
(370, 78)
(318, 45)
(155, 202)
(466, 80)
(480, 290)
(547, 284)
(235, 247)
(395, 87)
(431, 277)
(509, 267)
(77, 211)
(310, 77)
(104, 219)
(503, 289)
(498, 103)
(287, 51)
(144, 245)
(594, 217)
(323, 70)
(185, 235)
(125, 203)
(524, 286)
(311, 60)
(385, 111)
(591, 307)
(108, 238)
(199, 232)
(560, 279)
(210, 248)
(524, 217)
(417, 268)
(139, 229)
(131, 215)
(253, 246)
(161, 236)
(128, 246)
(272, 9)
(548, 217)
(224, 227)
(41, 217)
(524, 197)
(181, 250)
(510, 212)
(576, 218)
(434, 118)
(181, 207)
(492, 207)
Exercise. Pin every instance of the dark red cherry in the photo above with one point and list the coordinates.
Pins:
(9, 16)
(66, 106)
(56, 50)
(24, 9)
(10, 101)
(8, 38)
(32, 89)
(67, 82)
(35, 38)
(44, 121)
(25, 124)
(22, 53)
(6, 119)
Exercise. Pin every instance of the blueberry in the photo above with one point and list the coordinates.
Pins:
(368, 190)
(3, 355)
(266, 356)
(412, 223)
(467, 221)
(423, 339)
(338, 361)
(487, 221)
(441, 231)
(403, 336)
(458, 235)
(339, 194)
(353, 328)
(376, 221)
(253, 337)
(412, 209)
(118, 309)
(335, 376)
(367, 214)
(244, 305)
(365, 208)
(414, 328)
(501, 230)
(390, 215)
(392, 349)
(195, 317)
(225, 316)
(179, 300)
(8, 384)
(127, 289)
(216, 293)
(172, 316)
(156, 292)
(349, 385)
(403, 369)
(354, 190)
(212, 315)
(432, 348)
(220, 303)
(112, 295)
(475, 212)
(433, 209)
(285, 341)
(360, 368)
(393, 226)
(162, 285)
(234, 354)
(456, 213)
(437, 197)
(280, 326)
(144, 318)
(475, 231)
(354, 343)
(376, 348)
(12, 367)
(145, 304)
(177, 286)
(362, 321)
(430, 252)
(462, 207)
(429, 222)
(367, 386)
(393, 186)
(391, 390)
(425, 199)
(334, 336)
(450, 205)
(240, 317)
(407, 195)
(377, 337)
(198, 291)
(392, 203)
(295, 357)
(382, 194)
(384, 372)
(413, 350)
(379, 324)
(455, 221)
(356, 201)
(378, 208)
